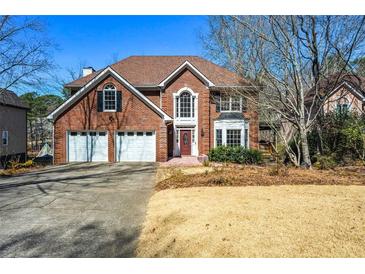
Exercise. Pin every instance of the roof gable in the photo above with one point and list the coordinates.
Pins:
(190, 67)
(93, 82)
(9, 98)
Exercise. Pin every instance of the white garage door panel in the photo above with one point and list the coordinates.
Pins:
(87, 147)
(141, 146)
(98, 148)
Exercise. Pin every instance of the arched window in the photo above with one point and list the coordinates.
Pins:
(185, 105)
(110, 98)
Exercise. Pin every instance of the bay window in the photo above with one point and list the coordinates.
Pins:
(233, 137)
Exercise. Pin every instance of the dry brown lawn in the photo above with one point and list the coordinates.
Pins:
(238, 175)
(256, 221)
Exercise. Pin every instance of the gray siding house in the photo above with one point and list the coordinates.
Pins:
(13, 127)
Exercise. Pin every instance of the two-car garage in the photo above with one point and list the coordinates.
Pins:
(92, 146)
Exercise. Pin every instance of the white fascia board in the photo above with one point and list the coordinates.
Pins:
(350, 88)
(193, 69)
(96, 80)
(141, 96)
(77, 95)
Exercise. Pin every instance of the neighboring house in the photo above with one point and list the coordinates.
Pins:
(346, 93)
(151, 108)
(13, 127)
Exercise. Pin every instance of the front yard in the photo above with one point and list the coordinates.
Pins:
(273, 220)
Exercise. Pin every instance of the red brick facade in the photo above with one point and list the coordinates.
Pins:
(83, 115)
(136, 115)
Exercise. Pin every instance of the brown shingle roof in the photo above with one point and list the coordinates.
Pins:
(332, 82)
(9, 98)
(152, 70)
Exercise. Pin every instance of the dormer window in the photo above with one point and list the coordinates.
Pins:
(231, 103)
(185, 105)
(110, 98)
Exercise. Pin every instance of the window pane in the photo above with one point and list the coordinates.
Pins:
(233, 137)
(224, 102)
(5, 136)
(236, 103)
(218, 137)
(109, 97)
(246, 138)
(185, 105)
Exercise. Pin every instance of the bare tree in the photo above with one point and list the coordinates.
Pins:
(287, 58)
(59, 78)
(24, 52)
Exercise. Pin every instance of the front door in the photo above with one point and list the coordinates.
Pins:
(185, 142)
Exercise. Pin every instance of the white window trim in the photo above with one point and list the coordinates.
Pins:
(232, 124)
(194, 95)
(230, 105)
(115, 99)
(6, 133)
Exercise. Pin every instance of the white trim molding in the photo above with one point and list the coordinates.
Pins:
(350, 88)
(187, 123)
(193, 69)
(225, 125)
(192, 121)
(92, 83)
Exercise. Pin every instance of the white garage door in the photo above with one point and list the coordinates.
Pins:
(89, 146)
(136, 146)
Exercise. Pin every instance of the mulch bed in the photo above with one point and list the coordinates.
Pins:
(264, 176)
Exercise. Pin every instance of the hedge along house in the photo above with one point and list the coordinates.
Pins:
(152, 108)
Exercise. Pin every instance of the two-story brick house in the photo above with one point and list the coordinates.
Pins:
(151, 108)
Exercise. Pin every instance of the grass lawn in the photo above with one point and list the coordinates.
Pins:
(256, 221)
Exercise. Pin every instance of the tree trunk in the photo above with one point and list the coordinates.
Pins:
(305, 149)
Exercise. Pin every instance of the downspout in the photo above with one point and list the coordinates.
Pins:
(53, 152)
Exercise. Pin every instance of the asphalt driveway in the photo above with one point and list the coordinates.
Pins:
(78, 210)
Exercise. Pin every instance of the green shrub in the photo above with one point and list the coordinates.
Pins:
(325, 162)
(341, 135)
(238, 154)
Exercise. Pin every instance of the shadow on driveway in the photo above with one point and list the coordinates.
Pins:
(79, 210)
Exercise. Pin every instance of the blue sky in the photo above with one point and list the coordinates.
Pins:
(98, 40)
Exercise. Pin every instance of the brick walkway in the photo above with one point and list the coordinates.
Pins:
(182, 161)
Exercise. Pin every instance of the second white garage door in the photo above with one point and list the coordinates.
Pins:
(136, 146)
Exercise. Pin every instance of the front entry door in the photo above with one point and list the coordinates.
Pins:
(185, 142)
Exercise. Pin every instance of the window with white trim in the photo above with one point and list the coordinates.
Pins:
(218, 137)
(231, 102)
(233, 137)
(110, 98)
(185, 105)
(5, 138)
(246, 137)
